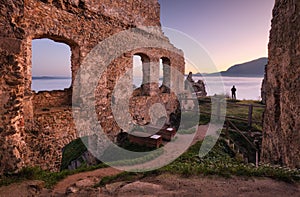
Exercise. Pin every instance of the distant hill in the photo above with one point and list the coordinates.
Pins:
(48, 77)
(255, 68)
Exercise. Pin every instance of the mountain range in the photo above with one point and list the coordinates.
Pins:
(49, 77)
(254, 68)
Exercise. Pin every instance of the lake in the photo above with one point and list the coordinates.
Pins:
(247, 87)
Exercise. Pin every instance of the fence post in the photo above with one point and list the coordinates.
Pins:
(219, 109)
(250, 112)
(256, 158)
(227, 129)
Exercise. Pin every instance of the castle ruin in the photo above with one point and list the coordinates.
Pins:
(34, 127)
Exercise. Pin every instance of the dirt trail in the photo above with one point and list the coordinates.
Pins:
(81, 184)
(61, 186)
(70, 180)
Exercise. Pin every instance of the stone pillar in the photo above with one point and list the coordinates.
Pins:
(146, 76)
(146, 70)
(281, 136)
(166, 75)
(150, 76)
(154, 77)
(177, 79)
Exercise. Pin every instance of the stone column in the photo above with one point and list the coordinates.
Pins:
(146, 70)
(150, 76)
(166, 75)
(154, 76)
(146, 76)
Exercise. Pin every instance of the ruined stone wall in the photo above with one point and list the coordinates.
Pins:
(52, 130)
(13, 149)
(111, 79)
(281, 140)
(57, 98)
(28, 134)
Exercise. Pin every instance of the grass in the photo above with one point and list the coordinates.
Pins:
(219, 161)
(191, 119)
(233, 109)
(72, 151)
(76, 148)
(238, 109)
(50, 178)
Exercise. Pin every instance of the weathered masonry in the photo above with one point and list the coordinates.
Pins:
(34, 127)
(281, 140)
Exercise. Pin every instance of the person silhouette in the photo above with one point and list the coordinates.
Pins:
(190, 77)
(233, 92)
(189, 81)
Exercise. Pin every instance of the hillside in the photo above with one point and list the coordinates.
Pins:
(49, 77)
(255, 68)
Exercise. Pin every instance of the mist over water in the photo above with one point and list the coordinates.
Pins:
(247, 87)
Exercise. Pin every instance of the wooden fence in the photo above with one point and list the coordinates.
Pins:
(228, 124)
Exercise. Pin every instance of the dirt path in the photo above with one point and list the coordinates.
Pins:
(95, 175)
(167, 185)
(163, 185)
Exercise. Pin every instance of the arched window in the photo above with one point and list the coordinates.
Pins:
(137, 71)
(51, 65)
(141, 69)
(161, 72)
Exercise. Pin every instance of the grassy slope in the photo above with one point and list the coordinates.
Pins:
(219, 161)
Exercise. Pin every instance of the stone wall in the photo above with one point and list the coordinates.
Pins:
(50, 99)
(53, 129)
(35, 127)
(281, 138)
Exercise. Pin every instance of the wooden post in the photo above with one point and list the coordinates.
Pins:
(219, 110)
(256, 158)
(227, 129)
(250, 112)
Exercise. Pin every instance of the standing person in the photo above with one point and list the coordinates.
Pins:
(190, 77)
(188, 80)
(233, 90)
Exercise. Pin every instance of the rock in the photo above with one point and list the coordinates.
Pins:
(112, 188)
(85, 183)
(140, 188)
(281, 127)
(72, 190)
(23, 189)
(244, 189)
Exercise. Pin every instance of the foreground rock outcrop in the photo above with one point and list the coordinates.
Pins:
(162, 185)
(281, 140)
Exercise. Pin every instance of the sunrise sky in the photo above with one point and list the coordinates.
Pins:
(231, 31)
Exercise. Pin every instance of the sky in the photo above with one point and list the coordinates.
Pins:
(50, 58)
(230, 31)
